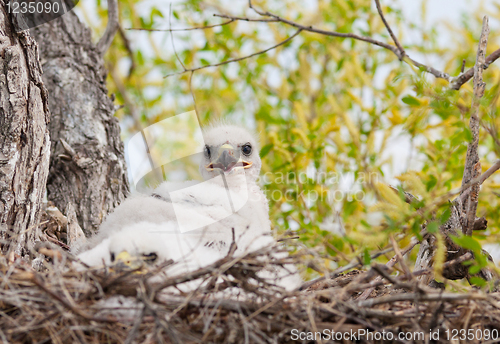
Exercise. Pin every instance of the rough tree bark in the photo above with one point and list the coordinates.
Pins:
(87, 164)
(24, 138)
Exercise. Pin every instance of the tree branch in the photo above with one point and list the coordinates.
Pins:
(236, 59)
(134, 113)
(314, 30)
(186, 29)
(472, 164)
(398, 50)
(172, 37)
(391, 263)
(395, 40)
(458, 81)
(480, 180)
(106, 39)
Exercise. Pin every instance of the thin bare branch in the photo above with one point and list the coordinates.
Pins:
(421, 297)
(136, 117)
(394, 39)
(495, 167)
(128, 48)
(37, 280)
(172, 37)
(458, 81)
(239, 58)
(355, 263)
(431, 70)
(390, 264)
(310, 28)
(193, 96)
(472, 166)
(398, 50)
(185, 29)
(107, 38)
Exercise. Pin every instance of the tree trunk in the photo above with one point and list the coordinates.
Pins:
(87, 165)
(24, 138)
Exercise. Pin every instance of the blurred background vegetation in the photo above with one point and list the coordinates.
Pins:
(338, 119)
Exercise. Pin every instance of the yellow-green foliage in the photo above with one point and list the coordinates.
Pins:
(325, 124)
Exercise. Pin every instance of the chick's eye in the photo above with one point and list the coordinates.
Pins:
(246, 149)
(207, 151)
(150, 257)
(112, 257)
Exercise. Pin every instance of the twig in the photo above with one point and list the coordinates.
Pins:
(396, 283)
(458, 81)
(107, 38)
(355, 263)
(472, 164)
(237, 59)
(390, 264)
(421, 297)
(409, 198)
(314, 30)
(128, 48)
(489, 172)
(395, 40)
(128, 103)
(400, 255)
(186, 29)
(67, 305)
(465, 191)
(32, 309)
(193, 96)
(461, 259)
(172, 37)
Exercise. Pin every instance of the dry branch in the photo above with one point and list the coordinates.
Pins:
(113, 24)
(472, 164)
(236, 59)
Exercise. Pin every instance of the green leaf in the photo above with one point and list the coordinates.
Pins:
(445, 216)
(433, 227)
(300, 149)
(412, 101)
(266, 149)
(366, 257)
(474, 269)
(477, 281)
(155, 13)
(431, 183)
(467, 242)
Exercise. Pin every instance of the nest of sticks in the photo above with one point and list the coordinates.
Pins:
(61, 305)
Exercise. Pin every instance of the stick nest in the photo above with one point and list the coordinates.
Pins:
(62, 305)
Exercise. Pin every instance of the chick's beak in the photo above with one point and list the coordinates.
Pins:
(227, 159)
(127, 262)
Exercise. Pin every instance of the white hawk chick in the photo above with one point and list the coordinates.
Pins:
(208, 212)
